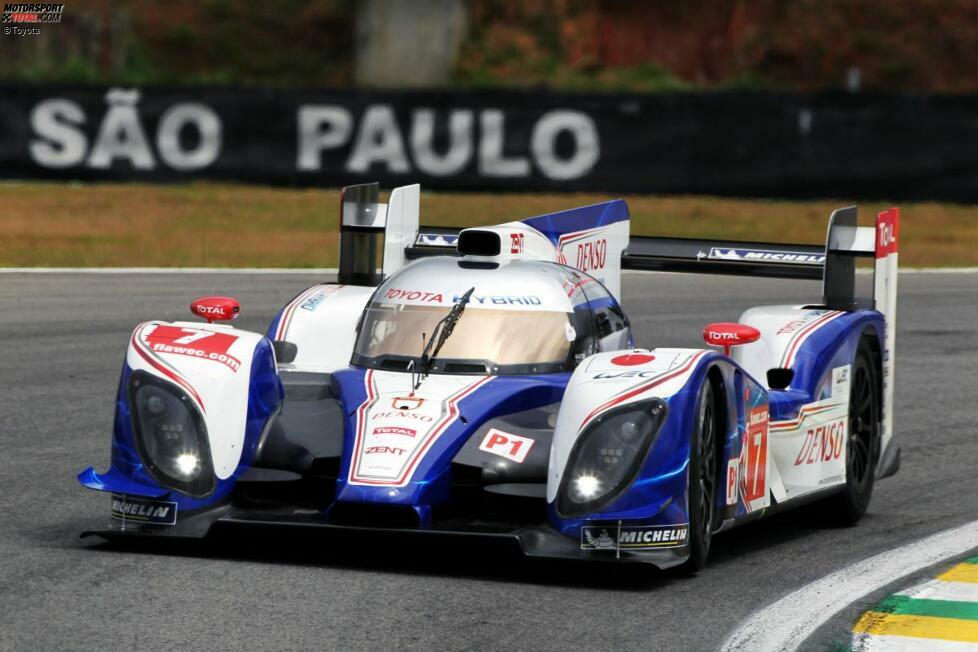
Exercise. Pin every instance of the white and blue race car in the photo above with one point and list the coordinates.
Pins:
(484, 382)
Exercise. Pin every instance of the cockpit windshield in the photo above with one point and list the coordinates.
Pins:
(484, 339)
(534, 331)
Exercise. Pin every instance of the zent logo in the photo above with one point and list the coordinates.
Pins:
(516, 243)
(385, 450)
(512, 447)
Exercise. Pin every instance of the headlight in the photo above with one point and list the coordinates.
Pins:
(170, 434)
(607, 456)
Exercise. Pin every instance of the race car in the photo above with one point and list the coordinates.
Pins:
(484, 382)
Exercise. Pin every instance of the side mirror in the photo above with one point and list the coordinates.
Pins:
(216, 308)
(729, 334)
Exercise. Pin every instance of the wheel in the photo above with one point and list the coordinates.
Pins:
(863, 441)
(702, 481)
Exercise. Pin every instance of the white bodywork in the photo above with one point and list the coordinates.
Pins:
(600, 384)
(321, 321)
(783, 330)
(596, 251)
(212, 364)
(396, 426)
(403, 218)
(809, 451)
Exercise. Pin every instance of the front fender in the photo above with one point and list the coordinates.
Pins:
(608, 381)
(229, 377)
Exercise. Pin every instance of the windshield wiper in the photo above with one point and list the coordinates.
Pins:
(443, 329)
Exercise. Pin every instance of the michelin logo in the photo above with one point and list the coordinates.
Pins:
(634, 538)
(750, 255)
(129, 508)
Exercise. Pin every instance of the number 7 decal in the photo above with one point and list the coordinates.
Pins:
(195, 334)
(754, 455)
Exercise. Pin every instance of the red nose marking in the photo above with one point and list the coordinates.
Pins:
(631, 359)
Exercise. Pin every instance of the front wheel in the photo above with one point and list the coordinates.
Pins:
(702, 481)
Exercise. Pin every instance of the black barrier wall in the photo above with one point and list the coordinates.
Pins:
(858, 146)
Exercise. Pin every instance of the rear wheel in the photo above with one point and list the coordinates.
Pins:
(702, 480)
(863, 440)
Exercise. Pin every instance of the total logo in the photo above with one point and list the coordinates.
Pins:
(203, 309)
(723, 336)
(395, 430)
(886, 234)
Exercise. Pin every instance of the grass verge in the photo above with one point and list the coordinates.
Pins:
(224, 225)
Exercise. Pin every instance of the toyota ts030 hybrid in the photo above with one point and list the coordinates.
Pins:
(484, 382)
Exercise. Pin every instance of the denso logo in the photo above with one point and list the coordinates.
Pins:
(823, 443)
(414, 295)
(395, 430)
(592, 255)
(401, 414)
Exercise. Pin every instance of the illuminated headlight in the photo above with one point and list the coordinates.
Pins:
(170, 434)
(607, 456)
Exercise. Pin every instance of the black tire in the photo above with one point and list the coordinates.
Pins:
(703, 477)
(863, 440)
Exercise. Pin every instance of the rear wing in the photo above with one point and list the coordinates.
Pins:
(833, 263)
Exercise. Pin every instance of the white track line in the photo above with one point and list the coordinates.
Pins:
(909, 644)
(785, 624)
(941, 590)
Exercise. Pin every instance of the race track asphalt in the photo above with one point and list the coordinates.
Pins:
(63, 340)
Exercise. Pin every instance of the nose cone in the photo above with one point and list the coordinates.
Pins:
(398, 442)
(399, 445)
